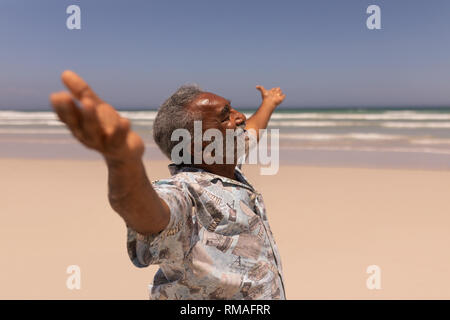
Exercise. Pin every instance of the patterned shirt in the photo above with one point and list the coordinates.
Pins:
(218, 243)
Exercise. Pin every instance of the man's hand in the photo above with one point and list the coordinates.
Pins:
(272, 97)
(98, 126)
(95, 124)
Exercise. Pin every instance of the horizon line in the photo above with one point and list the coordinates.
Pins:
(152, 108)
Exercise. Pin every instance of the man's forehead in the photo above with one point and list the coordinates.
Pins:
(210, 99)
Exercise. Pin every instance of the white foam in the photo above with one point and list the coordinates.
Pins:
(430, 141)
(30, 122)
(389, 124)
(416, 125)
(388, 115)
(33, 131)
(314, 124)
(352, 135)
(20, 115)
(370, 149)
(139, 115)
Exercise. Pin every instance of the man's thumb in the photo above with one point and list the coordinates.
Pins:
(261, 88)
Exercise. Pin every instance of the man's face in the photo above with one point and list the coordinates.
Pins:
(217, 113)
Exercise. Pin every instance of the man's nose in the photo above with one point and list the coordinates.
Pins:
(240, 118)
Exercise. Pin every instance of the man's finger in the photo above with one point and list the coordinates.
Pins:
(261, 88)
(58, 105)
(78, 87)
(90, 126)
(119, 135)
(108, 117)
(66, 110)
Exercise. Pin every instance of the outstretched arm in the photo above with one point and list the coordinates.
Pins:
(98, 126)
(270, 100)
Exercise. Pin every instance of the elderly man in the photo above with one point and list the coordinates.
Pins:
(206, 226)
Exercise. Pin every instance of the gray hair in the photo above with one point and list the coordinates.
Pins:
(173, 115)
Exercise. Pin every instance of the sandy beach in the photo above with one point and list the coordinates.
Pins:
(55, 213)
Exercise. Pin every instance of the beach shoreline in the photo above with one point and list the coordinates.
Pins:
(415, 138)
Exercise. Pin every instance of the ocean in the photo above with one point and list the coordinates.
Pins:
(375, 137)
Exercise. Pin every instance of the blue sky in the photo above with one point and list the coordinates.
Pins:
(135, 53)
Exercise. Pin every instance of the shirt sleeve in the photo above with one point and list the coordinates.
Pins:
(172, 243)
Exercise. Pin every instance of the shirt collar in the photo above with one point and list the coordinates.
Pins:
(175, 169)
